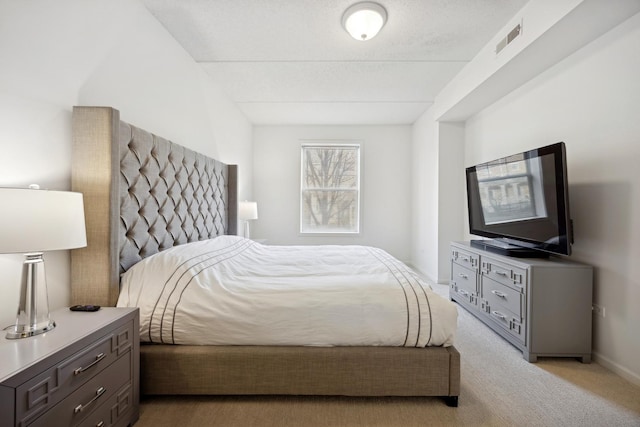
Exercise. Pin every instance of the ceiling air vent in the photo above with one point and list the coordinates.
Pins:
(509, 38)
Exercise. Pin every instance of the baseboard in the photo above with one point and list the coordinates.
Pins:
(616, 368)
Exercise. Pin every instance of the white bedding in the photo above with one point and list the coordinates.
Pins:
(233, 291)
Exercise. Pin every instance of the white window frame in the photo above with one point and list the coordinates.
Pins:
(358, 216)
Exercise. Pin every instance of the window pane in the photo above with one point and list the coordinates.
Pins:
(329, 211)
(329, 198)
(329, 167)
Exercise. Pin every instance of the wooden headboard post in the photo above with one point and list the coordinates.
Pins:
(142, 194)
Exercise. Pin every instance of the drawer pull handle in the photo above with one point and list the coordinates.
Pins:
(464, 276)
(80, 408)
(501, 273)
(463, 292)
(100, 424)
(498, 314)
(80, 370)
(499, 294)
(465, 258)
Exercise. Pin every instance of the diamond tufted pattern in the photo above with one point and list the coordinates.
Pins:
(142, 194)
(169, 195)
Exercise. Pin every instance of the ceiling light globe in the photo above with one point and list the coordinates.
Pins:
(364, 20)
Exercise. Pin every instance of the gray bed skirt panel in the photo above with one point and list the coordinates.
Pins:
(343, 371)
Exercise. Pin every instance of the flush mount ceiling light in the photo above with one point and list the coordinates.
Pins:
(364, 20)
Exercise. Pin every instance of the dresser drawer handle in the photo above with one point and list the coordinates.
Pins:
(498, 314)
(80, 370)
(80, 408)
(463, 292)
(465, 258)
(499, 294)
(501, 273)
(100, 424)
(464, 276)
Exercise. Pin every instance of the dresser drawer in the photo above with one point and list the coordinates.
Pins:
(82, 402)
(465, 258)
(53, 385)
(506, 274)
(511, 324)
(464, 282)
(503, 297)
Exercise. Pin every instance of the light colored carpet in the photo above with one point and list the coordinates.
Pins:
(498, 388)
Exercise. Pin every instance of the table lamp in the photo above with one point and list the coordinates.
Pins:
(247, 211)
(33, 221)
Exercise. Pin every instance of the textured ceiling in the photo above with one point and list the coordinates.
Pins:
(291, 62)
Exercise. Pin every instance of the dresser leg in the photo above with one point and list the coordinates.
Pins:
(586, 358)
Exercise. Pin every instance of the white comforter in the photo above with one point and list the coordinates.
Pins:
(233, 291)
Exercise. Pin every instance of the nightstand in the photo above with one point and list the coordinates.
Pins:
(84, 372)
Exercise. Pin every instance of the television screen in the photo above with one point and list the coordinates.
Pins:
(521, 200)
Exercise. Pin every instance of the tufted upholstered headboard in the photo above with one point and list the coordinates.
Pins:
(142, 194)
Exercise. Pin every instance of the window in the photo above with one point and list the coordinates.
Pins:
(330, 188)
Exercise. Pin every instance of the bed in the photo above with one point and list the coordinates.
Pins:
(146, 198)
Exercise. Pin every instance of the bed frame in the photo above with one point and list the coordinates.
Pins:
(144, 194)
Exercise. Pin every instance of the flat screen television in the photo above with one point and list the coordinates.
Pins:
(521, 202)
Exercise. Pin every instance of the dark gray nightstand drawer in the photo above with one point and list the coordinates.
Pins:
(53, 385)
(82, 402)
(114, 411)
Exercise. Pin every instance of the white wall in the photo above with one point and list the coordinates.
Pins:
(385, 184)
(437, 156)
(590, 101)
(551, 31)
(425, 181)
(55, 55)
(451, 175)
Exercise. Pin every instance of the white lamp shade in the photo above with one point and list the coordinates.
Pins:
(248, 210)
(40, 220)
(364, 20)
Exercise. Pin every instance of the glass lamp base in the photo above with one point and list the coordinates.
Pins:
(33, 311)
(246, 230)
(25, 331)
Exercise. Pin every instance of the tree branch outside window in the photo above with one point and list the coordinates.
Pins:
(330, 188)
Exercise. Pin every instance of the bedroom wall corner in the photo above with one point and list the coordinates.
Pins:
(424, 196)
(114, 53)
(451, 204)
(167, 93)
(438, 209)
